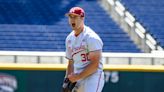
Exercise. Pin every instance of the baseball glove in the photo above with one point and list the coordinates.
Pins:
(68, 85)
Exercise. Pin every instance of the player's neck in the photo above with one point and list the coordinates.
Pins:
(77, 32)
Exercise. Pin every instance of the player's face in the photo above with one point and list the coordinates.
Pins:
(75, 21)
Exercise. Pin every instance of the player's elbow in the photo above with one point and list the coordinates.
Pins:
(94, 66)
(94, 63)
(94, 58)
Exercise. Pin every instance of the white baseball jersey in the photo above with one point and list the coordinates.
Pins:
(77, 48)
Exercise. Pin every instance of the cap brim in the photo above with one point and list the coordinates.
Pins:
(68, 14)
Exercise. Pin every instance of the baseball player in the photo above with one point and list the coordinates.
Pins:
(84, 52)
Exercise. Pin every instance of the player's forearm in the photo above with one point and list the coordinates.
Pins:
(90, 69)
(69, 69)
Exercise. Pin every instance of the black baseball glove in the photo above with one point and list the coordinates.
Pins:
(68, 85)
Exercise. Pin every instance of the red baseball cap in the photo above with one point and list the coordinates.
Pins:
(77, 11)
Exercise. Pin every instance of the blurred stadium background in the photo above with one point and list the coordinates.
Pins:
(32, 43)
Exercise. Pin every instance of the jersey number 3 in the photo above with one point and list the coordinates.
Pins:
(84, 57)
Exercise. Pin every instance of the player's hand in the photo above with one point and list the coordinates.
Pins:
(73, 77)
(67, 85)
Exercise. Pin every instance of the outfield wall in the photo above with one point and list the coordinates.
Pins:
(48, 78)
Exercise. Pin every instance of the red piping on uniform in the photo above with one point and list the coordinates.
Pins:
(76, 53)
(98, 83)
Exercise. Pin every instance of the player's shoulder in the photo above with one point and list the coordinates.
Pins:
(92, 36)
(69, 35)
(91, 33)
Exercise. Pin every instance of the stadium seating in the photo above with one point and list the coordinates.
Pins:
(150, 13)
(32, 25)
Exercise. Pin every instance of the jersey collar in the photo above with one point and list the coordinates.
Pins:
(80, 32)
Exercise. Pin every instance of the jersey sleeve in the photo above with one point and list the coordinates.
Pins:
(94, 43)
(68, 51)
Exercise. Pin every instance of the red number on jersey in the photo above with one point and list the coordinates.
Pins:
(84, 57)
